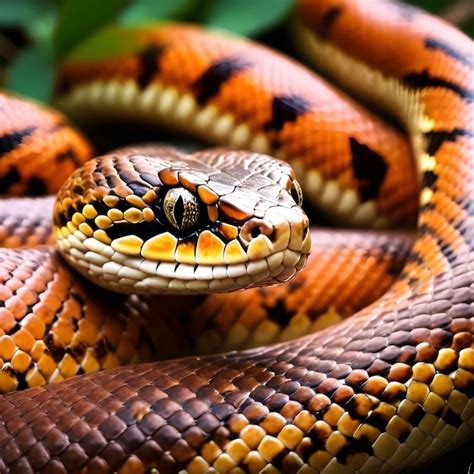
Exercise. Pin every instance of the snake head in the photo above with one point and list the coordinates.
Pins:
(154, 220)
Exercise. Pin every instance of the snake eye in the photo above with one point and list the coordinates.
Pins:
(181, 208)
(296, 192)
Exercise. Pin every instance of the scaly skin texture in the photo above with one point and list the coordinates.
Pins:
(387, 389)
(345, 272)
(54, 325)
(30, 224)
(34, 141)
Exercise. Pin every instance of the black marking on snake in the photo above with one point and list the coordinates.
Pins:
(377, 420)
(448, 252)
(209, 84)
(78, 189)
(443, 246)
(422, 80)
(436, 44)
(369, 167)
(404, 433)
(279, 312)
(10, 141)
(145, 229)
(57, 351)
(69, 154)
(60, 220)
(328, 20)
(102, 348)
(10, 178)
(286, 108)
(354, 446)
(352, 407)
(429, 179)
(36, 186)
(416, 257)
(277, 461)
(149, 62)
(318, 439)
(417, 415)
(435, 139)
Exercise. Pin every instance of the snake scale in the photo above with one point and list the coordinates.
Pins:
(388, 389)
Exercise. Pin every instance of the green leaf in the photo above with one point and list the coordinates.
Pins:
(468, 27)
(112, 42)
(80, 18)
(22, 12)
(141, 11)
(32, 73)
(246, 17)
(433, 6)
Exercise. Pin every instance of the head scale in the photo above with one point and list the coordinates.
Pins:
(153, 220)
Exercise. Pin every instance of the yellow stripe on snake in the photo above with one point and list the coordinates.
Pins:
(388, 389)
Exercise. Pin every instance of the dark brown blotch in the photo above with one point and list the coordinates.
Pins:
(369, 168)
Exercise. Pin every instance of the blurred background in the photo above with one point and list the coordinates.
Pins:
(35, 35)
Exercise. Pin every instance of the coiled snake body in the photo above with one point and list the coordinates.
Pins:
(388, 389)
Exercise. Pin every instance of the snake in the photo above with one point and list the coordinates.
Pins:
(387, 389)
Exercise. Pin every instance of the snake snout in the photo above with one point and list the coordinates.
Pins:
(281, 237)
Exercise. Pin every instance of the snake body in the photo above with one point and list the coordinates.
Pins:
(388, 389)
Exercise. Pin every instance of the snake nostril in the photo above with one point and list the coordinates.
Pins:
(255, 227)
(255, 232)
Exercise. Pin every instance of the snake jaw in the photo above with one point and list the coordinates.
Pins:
(119, 222)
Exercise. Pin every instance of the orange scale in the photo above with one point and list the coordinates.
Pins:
(14, 284)
(64, 331)
(180, 70)
(434, 260)
(317, 147)
(17, 307)
(448, 187)
(444, 67)
(7, 320)
(23, 339)
(445, 231)
(445, 107)
(71, 309)
(89, 332)
(54, 299)
(5, 292)
(451, 210)
(242, 97)
(35, 326)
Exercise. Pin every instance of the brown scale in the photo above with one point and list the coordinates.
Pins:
(33, 141)
(29, 225)
(322, 402)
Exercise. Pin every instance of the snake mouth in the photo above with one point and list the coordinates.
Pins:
(121, 273)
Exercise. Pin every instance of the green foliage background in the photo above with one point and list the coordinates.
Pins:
(55, 27)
